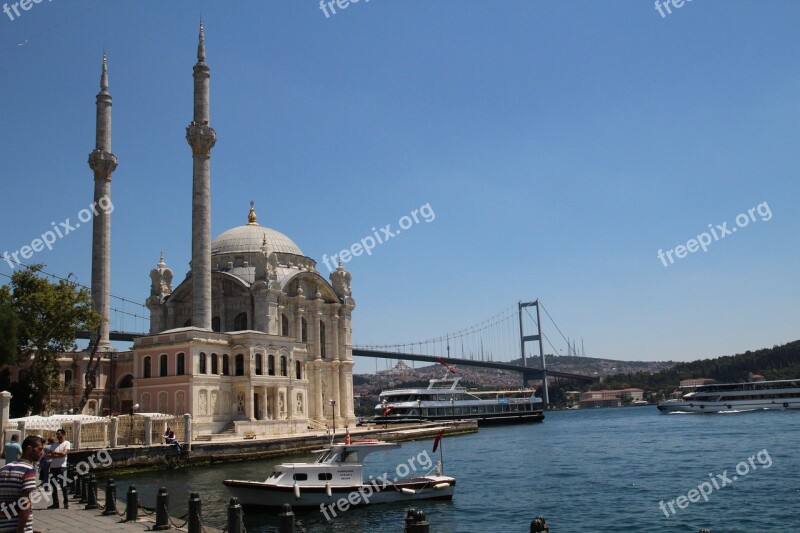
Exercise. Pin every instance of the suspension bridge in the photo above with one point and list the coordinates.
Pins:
(499, 342)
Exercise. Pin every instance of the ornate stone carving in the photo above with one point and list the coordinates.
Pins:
(103, 164)
(214, 402)
(203, 403)
(240, 402)
(201, 137)
(282, 404)
(300, 403)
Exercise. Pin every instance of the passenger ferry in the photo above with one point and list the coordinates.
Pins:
(443, 399)
(753, 395)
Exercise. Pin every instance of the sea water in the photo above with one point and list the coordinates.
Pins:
(623, 470)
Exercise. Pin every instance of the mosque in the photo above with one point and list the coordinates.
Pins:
(253, 339)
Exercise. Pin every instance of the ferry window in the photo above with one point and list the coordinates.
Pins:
(300, 477)
(474, 408)
(325, 477)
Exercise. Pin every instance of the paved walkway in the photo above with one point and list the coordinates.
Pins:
(77, 519)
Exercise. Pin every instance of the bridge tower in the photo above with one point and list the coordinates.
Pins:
(538, 337)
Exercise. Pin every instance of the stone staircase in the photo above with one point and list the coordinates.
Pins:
(226, 433)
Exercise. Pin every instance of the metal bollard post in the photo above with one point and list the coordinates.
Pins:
(91, 501)
(71, 478)
(419, 523)
(195, 521)
(76, 485)
(111, 498)
(286, 524)
(162, 513)
(411, 515)
(84, 489)
(235, 517)
(132, 505)
(538, 525)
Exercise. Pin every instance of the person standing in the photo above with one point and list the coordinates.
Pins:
(12, 449)
(44, 464)
(58, 468)
(17, 481)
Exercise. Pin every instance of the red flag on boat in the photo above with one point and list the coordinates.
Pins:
(448, 367)
(437, 440)
(386, 411)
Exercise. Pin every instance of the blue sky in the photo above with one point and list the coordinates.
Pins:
(560, 144)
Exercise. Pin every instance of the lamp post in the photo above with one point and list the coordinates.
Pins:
(134, 408)
(419, 410)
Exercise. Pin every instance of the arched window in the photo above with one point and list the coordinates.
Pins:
(284, 325)
(225, 370)
(271, 365)
(239, 364)
(298, 370)
(162, 365)
(126, 382)
(201, 366)
(214, 364)
(304, 330)
(67, 378)
(215, 324)
(283, 366)
(240, 322)
(322, 339)
(259, 365)
(180, 364)
(146, 368)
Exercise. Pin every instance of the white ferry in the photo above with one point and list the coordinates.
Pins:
(337, 474)
(753, 395)
(443, 399)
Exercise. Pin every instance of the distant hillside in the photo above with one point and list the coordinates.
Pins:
(778, 362)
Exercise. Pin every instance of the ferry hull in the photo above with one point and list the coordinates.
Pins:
(253, 494)
(531, 417)
(736, 405)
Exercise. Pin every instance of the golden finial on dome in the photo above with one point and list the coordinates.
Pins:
(251, 218)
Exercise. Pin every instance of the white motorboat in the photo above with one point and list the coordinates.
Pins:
(337, 474)
(726, 397)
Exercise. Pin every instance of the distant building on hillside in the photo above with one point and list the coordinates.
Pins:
(695, 382)
(609, 398)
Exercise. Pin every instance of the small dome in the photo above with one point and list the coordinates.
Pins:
(251, 238)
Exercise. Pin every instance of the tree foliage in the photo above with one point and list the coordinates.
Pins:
(778, 362)
(47, 317)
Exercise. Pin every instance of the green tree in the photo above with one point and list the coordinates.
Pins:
(47, 317)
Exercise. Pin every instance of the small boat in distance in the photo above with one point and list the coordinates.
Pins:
(752, 395)
(336, 475)
(443, 399)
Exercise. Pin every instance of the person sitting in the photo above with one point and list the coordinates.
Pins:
(166, 435)
(172, 440)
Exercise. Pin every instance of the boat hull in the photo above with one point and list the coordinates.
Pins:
(531, 417)
(721, 407)
(253, 494)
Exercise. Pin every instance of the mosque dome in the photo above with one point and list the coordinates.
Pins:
(251, 238)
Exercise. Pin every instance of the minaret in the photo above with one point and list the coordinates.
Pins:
(103, 163)
(201, 138)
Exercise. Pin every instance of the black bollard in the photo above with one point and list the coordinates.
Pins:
(111, 498)
(76, 485)
(71, 479)
(235, 517)
(286, 524)
(132, 505)
(162, 513)
(538, 525)
(419, 524)
(411, 516)
(91, 500)
(84, 489)
(195, 521)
